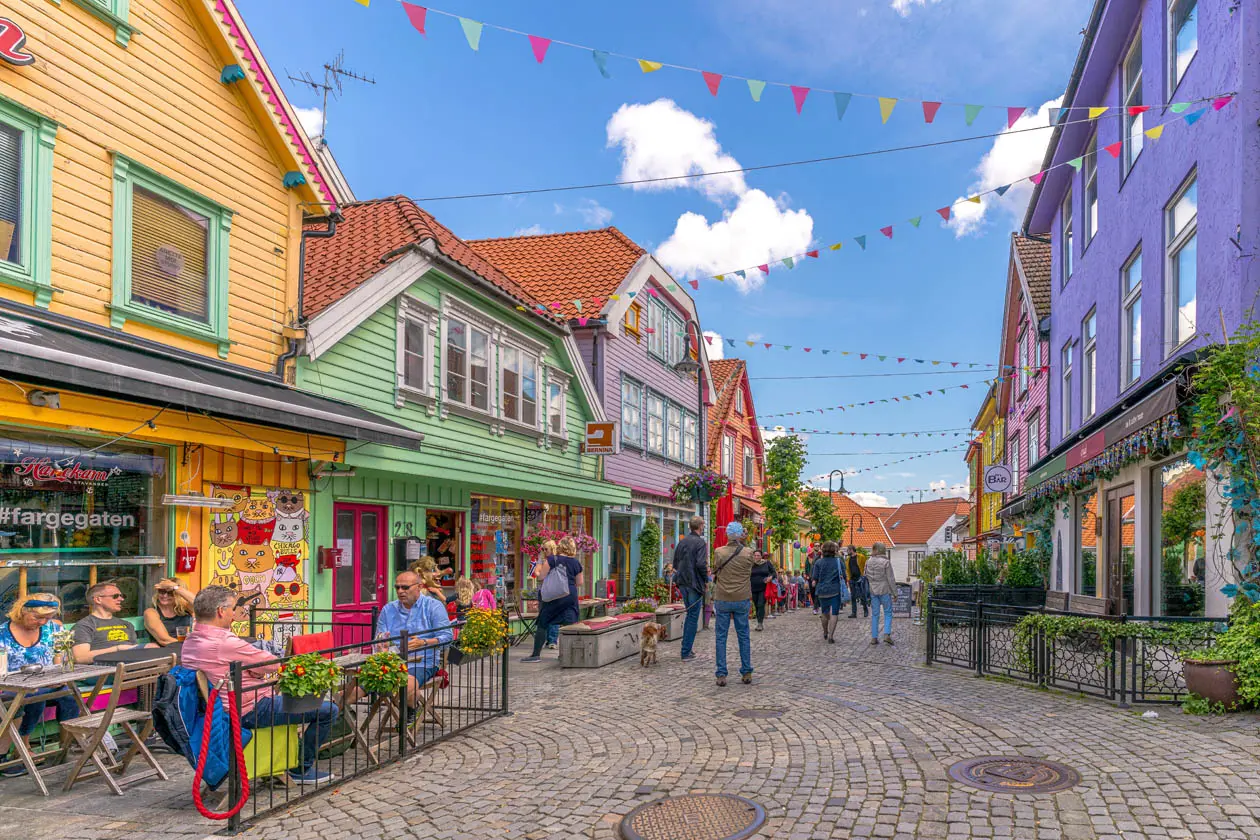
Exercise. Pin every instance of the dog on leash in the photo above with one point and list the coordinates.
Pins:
(650, 635)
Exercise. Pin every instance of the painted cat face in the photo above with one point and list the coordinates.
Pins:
(287, 502)
(238, 496)
(254, 558)
(288, 530)
(289, 594)
(223, 534)
(229, 581)
(258, 510)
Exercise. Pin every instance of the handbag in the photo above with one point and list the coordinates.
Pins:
(556, 585)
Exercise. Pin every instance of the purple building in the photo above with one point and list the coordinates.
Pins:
(1152, 212)
(633, 325)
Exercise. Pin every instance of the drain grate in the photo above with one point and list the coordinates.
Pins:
(696, 816)
(1015, 774)
(760, 714)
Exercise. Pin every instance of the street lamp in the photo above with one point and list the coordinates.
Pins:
(860, 529)
(830, 476)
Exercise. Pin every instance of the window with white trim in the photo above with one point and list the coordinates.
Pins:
(1065, 390)
(466, 361)
(1182, 230)
(1089, 365)
(916, 558)
(1012, 458)
(1066, 253)
(728, 456)
(673, 432)
(632, 412)
(1023, 360)
(414, 348)
(518, 385)
(1131, 320)
(1183, 38)
(556, 404)
(1090, 178)
(689, 439)
(750, 470)
(739, 400)
(949, 534)
(1131, 88)
(656, 329)
(656, 423)
(1034, 439)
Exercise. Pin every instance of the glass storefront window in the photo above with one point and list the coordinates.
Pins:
(1087, 546)
(496, 541)
(1180, 490)
(75, 512)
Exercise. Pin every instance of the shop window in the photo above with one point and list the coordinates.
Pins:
(1183, 38)
(1131, 320)
(170, 256)
(656, 423)
(519, 386)
(1183, 251)
(73, 513)
(631, 412)
(1180, 491)
(496, 543)
(444, 538)
(26, 160)
(1131, 88)
(1121, 556)
(1087, 545)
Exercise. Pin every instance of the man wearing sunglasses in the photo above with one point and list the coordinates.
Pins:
(102, 631)
(428, 628)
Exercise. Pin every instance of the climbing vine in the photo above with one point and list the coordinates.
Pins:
(649, 571)
(1102, 634)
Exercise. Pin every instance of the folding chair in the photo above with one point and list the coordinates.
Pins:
(88, 731)
(429, 692)
(528, 624)
(312, 643)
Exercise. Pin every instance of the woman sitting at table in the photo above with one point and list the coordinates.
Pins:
(28, 637)
(169, 618)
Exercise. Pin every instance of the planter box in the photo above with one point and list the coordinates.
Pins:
(671, 617)
(600, 642)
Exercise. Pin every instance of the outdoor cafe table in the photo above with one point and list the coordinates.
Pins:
(23, 688)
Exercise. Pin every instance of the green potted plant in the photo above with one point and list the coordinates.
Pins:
(1228, 672)
(484, 632)
(304, 680)
(383, 673)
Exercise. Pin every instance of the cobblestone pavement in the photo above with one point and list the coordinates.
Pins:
(862, 750)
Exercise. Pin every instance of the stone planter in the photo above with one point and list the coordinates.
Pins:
(671, 617)
(600, 642)
(1213, 680)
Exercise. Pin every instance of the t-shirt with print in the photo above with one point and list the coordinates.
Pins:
(40, 653)
(100, 633)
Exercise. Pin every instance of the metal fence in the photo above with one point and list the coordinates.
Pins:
(1016, 596)
(352, 732)
(983, 638)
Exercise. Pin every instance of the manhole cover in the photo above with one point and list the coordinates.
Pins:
(1015, 774)
(759, 714)
(696, 816)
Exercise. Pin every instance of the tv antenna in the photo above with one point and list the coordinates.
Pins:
(334, 72)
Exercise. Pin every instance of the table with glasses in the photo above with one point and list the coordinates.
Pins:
(23, 688)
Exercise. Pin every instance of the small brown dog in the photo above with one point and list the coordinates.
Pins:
(650, 635)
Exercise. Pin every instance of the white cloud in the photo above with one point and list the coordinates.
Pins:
(714, 349)
(1013, 157)
(661, 139)
(754, 337)
(594, 213)
(902, 7)
(532, 230)
(311, 119)
(869, 499)
(944, 486)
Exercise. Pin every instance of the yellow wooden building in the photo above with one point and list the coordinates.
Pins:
(989, 434)
(154, 184)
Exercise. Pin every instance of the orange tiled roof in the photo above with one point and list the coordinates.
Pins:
(881, 512)
(916, 522)
(369, 237)
(725, 372)
(1034, 258)
(563, 267)
(873, 529)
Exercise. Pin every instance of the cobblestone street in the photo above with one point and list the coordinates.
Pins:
(861, 750)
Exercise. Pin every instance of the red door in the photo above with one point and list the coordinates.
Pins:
(359, 579)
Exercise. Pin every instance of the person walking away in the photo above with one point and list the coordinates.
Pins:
(883, 583)
(691, 576)
(762, 570)
(858, 586)
(829, 582)
(564, 608)
(732, 597)
(545, 553)
(810, 560)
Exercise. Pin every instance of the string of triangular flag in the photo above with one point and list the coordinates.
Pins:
(796, 430)
(903, 398)
(893, 463)
(539, 45)
(882, 357)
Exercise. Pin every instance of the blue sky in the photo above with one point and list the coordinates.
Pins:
(442, 119)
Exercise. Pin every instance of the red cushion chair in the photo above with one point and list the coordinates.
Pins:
(312, 643)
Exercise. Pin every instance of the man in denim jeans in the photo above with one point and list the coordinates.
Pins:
(883, 584)
(732, 597)
(691, 575)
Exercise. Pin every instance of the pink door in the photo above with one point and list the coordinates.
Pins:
(359, 579)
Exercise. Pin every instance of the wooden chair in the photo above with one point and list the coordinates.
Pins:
(88, 731)
(528, 623)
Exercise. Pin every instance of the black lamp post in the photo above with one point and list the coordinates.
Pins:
(831, 475)
(860, 529)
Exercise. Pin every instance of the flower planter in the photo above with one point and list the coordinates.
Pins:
(702, 496)
(1213, 680)
(300, 704)
(455, 656)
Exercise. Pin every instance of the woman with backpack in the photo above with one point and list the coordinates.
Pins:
(558, 593)
(829, 575)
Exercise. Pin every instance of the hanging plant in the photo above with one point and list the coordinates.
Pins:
(383, 673)
(532, 545)
(701, 486)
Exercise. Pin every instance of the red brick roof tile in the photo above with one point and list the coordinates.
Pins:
(1034, 259)
(854, 514)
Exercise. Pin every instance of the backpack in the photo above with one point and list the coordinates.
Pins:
(556, 585)
(177, 706)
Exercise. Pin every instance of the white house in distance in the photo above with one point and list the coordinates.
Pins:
(920, 528)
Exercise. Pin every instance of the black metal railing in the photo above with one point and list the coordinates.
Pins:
(1015, 596)
(351, 625)
(1125, 667)
(353, 731)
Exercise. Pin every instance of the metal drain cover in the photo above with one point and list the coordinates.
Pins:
(1015, 774)
(759, 714)
(695, 816)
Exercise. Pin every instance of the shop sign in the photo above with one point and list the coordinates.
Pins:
(12, 41)
(67, 471)
(1155, 407)
(997, 478)
(601, 438)
(1086, 449)
(1049, 470)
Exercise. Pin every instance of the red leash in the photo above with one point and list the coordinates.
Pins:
(235, 723)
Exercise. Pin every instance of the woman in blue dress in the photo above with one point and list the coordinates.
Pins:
(28, 638)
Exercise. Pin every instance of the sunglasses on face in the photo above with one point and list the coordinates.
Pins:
(403, 587)
(117, 596)
(284, 500)
(294, 588)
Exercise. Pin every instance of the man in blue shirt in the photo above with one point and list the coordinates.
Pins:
(428, 628)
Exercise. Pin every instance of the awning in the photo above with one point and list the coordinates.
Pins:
(749, 506)
(63, 357)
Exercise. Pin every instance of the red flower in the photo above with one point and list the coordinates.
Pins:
(282, 667)
(299, 670)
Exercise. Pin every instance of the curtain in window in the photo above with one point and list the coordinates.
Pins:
(169, 247)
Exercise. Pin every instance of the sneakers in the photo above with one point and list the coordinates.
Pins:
(550, 646)
(688, 657)
(746, 679)
(721, 681)
(313, 776)
(13, 772)
(815, 611)
(874, 641)
(532, 659)
(758, 627)
(888, 640)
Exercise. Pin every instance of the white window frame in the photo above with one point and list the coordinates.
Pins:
(1131, 332)
(1131, 95)
(559, 381)
(1065, 390)
(1178, 241)
(656, 327)
(739, 400)
(472, 321)
(1175, 74)
(632, 412)
(690, 438)
(1066, 255)
(1033, 438)
(659, 447)
(750, 466)
(673, 432)
(1012, 457)
(728, 456)
(528, 358)
(914, 559)
(1089, 207)
(415, 312)
(1089, 365)
(1023, 360)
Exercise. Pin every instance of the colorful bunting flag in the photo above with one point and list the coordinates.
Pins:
(914, 221)
(1013, 115)
(813, 254)
(975, 199)
(887, 231)
(1193, 117)
(1220, 102)
(601, 62)
(1036, 179)
(929, 111)
(788, 261)
(1001, 191)
(1095, 113)
(886, 105)
(798, 96)
(695, 284)
(416, 15)
(539, 46)
(836, 247)
(713, 80)
(861, 241)
(1179, 107)
(765, 269)
(472, 31)
(842, 104)
(945, 212)
(1154, 132)
(1135, 110)
(755, 87)
(1076, 163)
(649, 66)
(971, 112)
(1114, 148)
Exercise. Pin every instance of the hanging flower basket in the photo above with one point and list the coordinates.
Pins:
(701, 486)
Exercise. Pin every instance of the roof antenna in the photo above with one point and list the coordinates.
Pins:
(334, 72)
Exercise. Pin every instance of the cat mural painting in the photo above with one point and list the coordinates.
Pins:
(360, 532)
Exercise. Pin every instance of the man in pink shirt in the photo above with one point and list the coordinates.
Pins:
(211, 647)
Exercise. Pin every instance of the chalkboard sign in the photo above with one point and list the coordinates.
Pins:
(902, 599)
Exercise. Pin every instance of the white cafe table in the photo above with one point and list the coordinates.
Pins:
(23, 688)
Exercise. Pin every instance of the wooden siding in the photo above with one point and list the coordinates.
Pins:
(1035, 400)
(158, 101)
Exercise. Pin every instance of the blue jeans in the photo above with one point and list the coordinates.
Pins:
(553, 634)
(695, 603)
(881, 602)
(267, 712)
(33, 713)
(726, 611)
